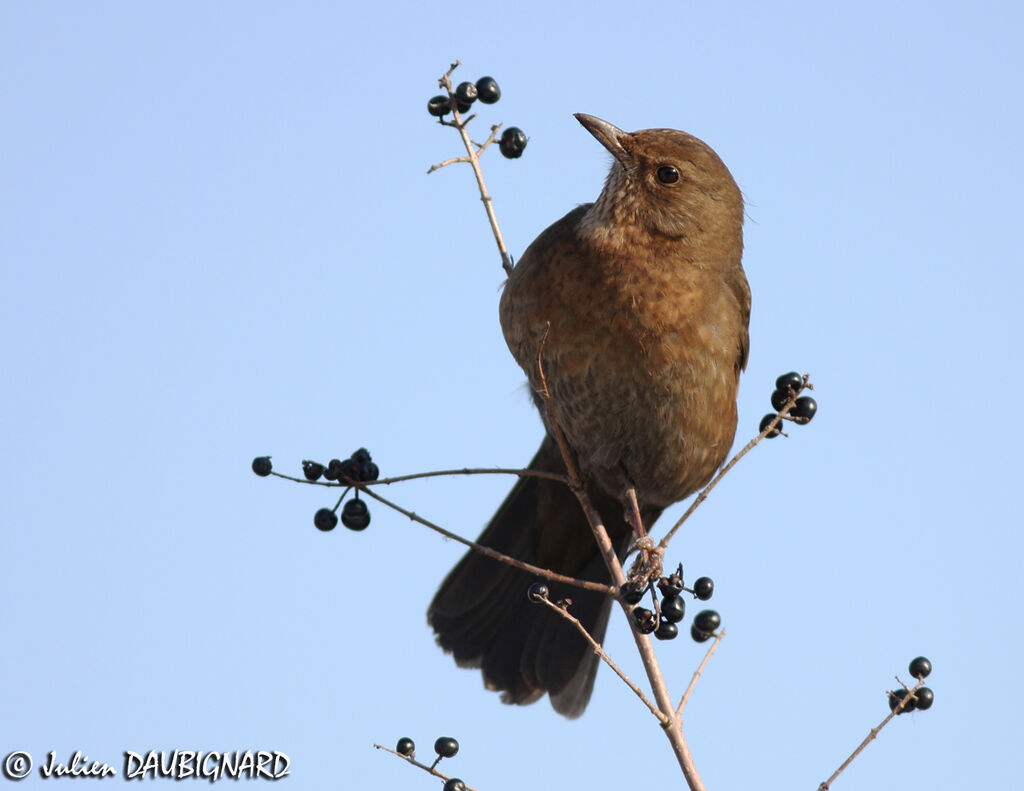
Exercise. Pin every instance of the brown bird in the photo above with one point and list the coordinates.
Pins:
(646, 307)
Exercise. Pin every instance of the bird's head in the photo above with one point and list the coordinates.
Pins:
(666, 182)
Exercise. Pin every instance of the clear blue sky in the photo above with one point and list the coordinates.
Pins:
(218, 240)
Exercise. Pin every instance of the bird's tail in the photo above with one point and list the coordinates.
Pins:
(481, 613)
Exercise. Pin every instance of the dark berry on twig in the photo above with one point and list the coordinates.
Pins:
(368, 471)
(312, 470)
(703, 588)
(765, 421)
(672, 585)
(803, 410)
(699, 636)
(925, 698)
(355, 515)
(707, 621)
(673, 609)
(406, 746)
(349, 471)
(333, 470)
(920, 667)
(631, 592)
(792, 380)
(446, 747)
(537, 592)
(779, 400)
(439, 106)
(666, 630)
(512, 143)
(465, 94)
(261, 466)
(644, 620)
(453, 784)
(487, 90)
(325, 519)
(896, 697)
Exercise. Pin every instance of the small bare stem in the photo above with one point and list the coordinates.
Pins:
(671, 723)
(491, 553)
(871, 735)
(596, 647)
(424, 767)
(732, 463)
(696, 675)
(552, 476)
(473, 159)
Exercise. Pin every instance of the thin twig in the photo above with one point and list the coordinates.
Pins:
(424, 767)
(551, 476)
(491, 553)
(732, 463)
(696, 675)
(596, 647)
(671, 724)
(460, 125)
(871, 735)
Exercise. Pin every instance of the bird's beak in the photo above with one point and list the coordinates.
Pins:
(610, 136)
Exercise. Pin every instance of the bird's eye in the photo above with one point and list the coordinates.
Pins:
(668, 174)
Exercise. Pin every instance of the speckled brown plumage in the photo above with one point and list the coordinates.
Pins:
(648, 309)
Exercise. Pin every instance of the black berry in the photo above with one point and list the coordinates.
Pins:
(764, 424)
(349, 471)
(368, 471)
(446, 747)
(703, 588)
(673, 609)
(699, 636)
(920, 667)
(666, 630)
(261, 466)
(672, 585)
(631, 592)
(644, 620)
(791, 381)
(537, 592)
(803, 410)
(312, 470)
(466, 93)
(439, 106)
(325, 519)
(707, 621)
(896, 697)
(333, 470)
(406, 746)
(487, 90)
(512, 143)
(355, 515)
(453, 784)
(925, 698)
(779, 400)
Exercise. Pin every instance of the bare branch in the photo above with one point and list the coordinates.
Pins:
(424, 767)
(783, 413)
(696, 675)
(491, 553)
(596, 647)
(872, 734)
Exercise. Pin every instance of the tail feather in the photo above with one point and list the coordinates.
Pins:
(481, 613)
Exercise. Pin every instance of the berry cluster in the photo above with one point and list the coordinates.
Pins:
(804, 408)
(444, 746)
(672, 608)
(485, 90)
(923, 698)
(357, 468)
